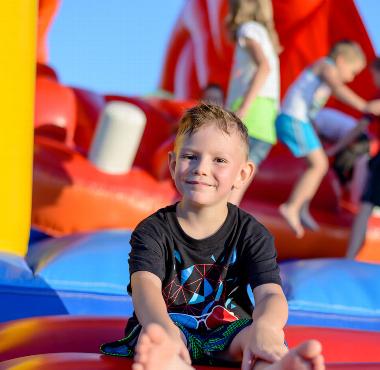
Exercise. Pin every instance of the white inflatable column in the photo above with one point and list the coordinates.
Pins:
(117, 137)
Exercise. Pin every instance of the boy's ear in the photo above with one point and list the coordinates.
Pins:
(246, 174)
(172, 161)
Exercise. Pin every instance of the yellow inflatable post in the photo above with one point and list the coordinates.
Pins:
(18, 29)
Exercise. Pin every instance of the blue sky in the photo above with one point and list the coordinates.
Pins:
(117, 46)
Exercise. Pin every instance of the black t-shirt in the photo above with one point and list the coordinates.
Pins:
(204, 282)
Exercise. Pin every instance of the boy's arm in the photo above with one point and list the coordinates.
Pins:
(148, 302)
(266, 335)
(262, 72)
(329, 74)
(348, 138)
(150, 307)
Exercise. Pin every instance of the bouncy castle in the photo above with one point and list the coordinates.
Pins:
(69, 175)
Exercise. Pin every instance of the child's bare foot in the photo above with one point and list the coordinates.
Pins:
(307, 356)
(293, 220)
(157, 351)
(308, 220)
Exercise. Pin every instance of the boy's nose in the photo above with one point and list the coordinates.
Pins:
(201, 167)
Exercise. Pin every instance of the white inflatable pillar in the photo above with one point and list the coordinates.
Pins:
(117, 137)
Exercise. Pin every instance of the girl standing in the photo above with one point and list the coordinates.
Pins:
(254, 87)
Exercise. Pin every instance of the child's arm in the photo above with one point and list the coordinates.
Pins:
(266, 336)
(348, 138)
(262, 72)
(150, 307)
(329, 74)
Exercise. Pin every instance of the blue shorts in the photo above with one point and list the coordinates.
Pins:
(300, 137)
(258, 150)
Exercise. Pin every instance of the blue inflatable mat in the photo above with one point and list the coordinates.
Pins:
(83, 274)
(333, 293)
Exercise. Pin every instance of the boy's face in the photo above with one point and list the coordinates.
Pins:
(348, 69)
(208, 164)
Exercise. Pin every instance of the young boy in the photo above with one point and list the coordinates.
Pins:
(294, 125)
(191, 264)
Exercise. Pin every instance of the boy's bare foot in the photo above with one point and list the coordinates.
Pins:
(157, 351)
(307, 356)
(308, 220)
(293, 220)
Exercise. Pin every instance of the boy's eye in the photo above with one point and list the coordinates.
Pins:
(188, 156)
(220, 160)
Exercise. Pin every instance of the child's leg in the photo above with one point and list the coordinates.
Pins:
(157, 351)
(305, 189)
(359, 229)
(359, 177)
(303, 357)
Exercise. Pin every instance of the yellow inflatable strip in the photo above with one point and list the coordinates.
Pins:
(18, 28)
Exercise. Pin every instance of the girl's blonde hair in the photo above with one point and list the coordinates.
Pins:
(261, 11)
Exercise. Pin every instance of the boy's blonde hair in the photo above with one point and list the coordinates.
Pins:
(203, 114)
(349, 50)
(261, 11)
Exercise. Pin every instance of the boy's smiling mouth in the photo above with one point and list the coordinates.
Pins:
(199, 183)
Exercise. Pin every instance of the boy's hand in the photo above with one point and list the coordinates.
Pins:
(264, 342)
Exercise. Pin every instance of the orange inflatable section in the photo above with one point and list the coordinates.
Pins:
(71, 195)
(52, 97)
(60, 341)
